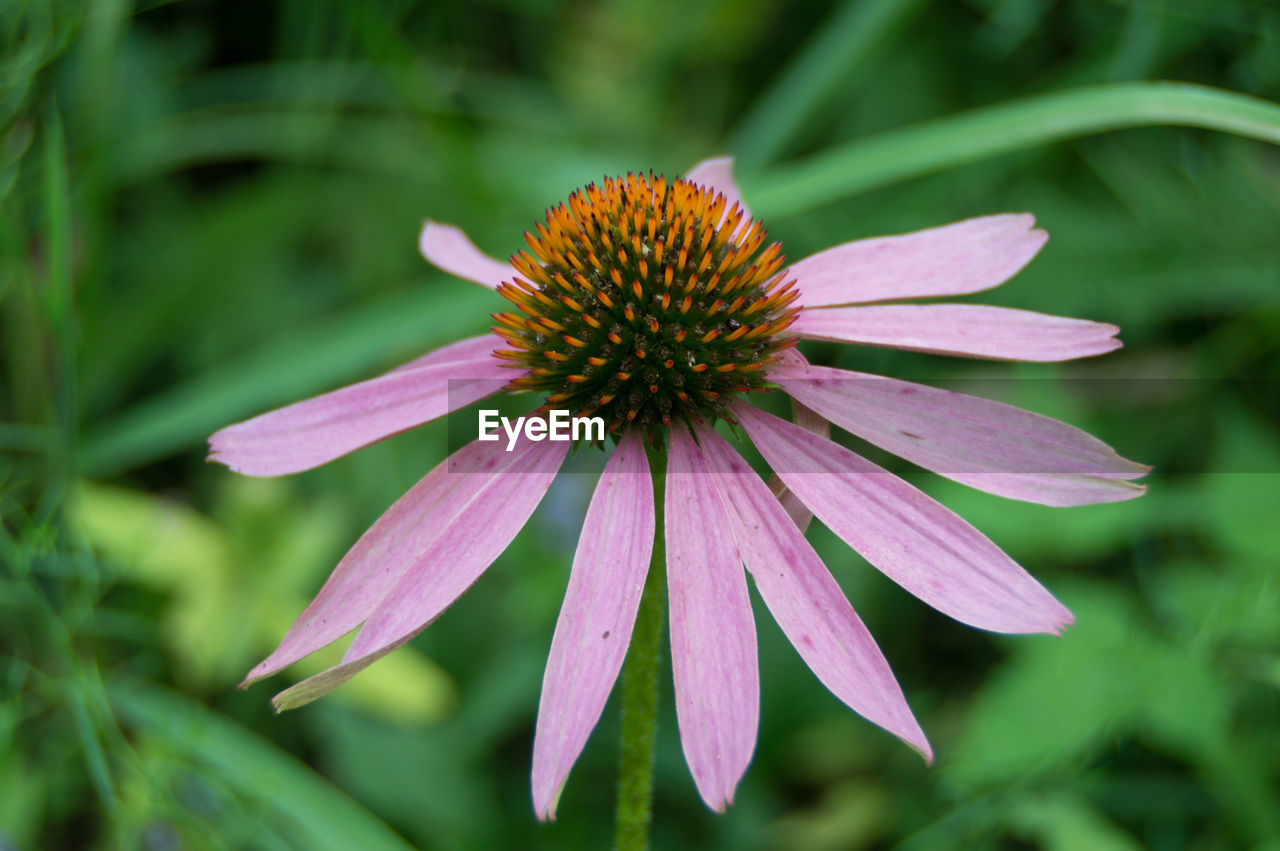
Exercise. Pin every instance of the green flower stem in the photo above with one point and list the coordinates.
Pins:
(640, 689)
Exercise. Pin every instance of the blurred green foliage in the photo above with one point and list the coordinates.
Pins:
(210, 209)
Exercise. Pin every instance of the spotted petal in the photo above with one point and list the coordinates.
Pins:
(596, 618)
(988, 445)
(806, 601)
(909, 537)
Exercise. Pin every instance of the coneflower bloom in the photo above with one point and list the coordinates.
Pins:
(658, 306)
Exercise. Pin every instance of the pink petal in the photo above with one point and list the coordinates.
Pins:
(909, 537)
(806, 601)
(809, 419)
(472, 348)
(390, 548)
(310, 433)
(964, 257)
(448, 248)
(717, 174)
(596, 618)
(713, 636)
(317, 686)
(988, 445)
(462, 550)
(439, 570)
(1000, 333)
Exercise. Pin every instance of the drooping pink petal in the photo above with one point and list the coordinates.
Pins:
(806, 418)
(317, 686)
(713, 636)
(436, 574)
(717, 173)
(909, 537)
(988, 445)
(971, 330)
(959, 258)
(315, 431)
(596, 618)
(806, 601)
(448, 248)
(462, 550)
(389, 548)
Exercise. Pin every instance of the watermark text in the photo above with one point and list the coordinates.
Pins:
(557, 425)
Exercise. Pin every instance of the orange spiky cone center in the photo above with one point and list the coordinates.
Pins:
(645, 302)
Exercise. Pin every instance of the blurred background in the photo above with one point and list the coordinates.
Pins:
(211, 209)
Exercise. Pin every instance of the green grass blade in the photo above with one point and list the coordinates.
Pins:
(59, 301)
(320, 816)
(57, 223)
(991, 131)
(841, 47)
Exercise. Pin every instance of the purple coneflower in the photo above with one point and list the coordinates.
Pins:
(658, 306)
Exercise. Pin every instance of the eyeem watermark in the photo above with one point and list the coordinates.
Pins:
(558, 425)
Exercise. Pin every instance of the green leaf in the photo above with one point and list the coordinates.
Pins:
(1106, 677)
(255, 570)
(1242, 494)
(982, 133)
(319, 815)
(1063, 823)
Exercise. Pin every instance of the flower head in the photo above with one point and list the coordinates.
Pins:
(658, 306)
(646, 303)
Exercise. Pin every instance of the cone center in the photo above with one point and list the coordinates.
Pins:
(643, 302)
